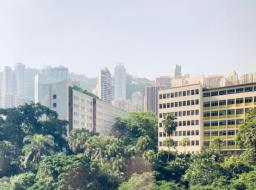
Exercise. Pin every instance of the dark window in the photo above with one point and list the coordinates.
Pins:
(231, 132)
(222, 102)
(192, 133)
(214, 123)
(164, 96)
(239, 121)
(206, 94)
(239, 90)
(188, 112)
(54, 96)
(248, 100)
(184, 93)
(239, 111)
(230, 143)
(206, 104)
(222, 92)
(160, 96)
(248, 89)
(197, 102)
(214, 103)
(215, 93)
(188, 103)
(180, 93)
(231, 101)
(168, 105)
(231, 91)
(222, 112)
(188, 92)
(239, 100)
(214, 113)
(231, 112)
(223, 133)
(231, 122)
(214, 133)
(184, 113)
(180, 104)
(197, 142)
(188, 123)
(206, 124)
(184, 103)
(160, 106)
(172, 95)
(192, 92)
(160, 115)
(197, 91)
(54, 105)
(192, 102)
(222, 122)
(197, 112)
(184, 133)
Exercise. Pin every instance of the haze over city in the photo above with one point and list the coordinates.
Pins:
(149, 37)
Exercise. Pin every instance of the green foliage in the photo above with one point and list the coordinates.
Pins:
(143, 181)
(167, 185)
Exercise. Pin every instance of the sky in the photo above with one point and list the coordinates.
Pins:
(147, 36)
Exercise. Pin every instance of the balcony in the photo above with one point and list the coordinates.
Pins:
(240, 105)
(214, 117)
(206, 108)
(214, 127)
(231, 137)
(222, 127)
(240, 115)
(207, 137)
(231, 126)
(222, 106)
(249, 104)
(232, 116)
(214, 107)
(231, 105)
(223, 116)
(207, 118)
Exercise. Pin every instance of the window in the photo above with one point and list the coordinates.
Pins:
(164, 96)
(184, 123)
(231, 91)
(223, 133)
(230, 143)
(206, 143)
(192, 102)
(160, 96)
(231, 101)
(197, 112)
(222, 102)
(222, 122)
(207, 133)
(214, 113)
(180, 133)
(168, 105)
(231, 112)
(180, 93)
(184, 103)
(239, 111)
(54, 96)
(248, 89)
(172, 95)
(197, 102)
(184, 113)
(188, 113)
(184, 93)
(176, 94)
(222, 112)
(239, 90)
(188, 92)
(188, 103)
(239, 121)
(197, 142)
(231, 122)
(176, 104)
(214, 133)
(188, 123)
(54, 105)
(231, 132)
(164, 105)
(184, 133)
(160, 134)
(206, 124)
(180, 113)
(192, 133)
(215, 93)
(160, 143)
(206, 94)
(160, 115)
(214, 103)
(192, 143)
(160, 106)
(248, 100)
(192, 92)
(197, 91)
(214, 123)
(197, 122)
(192, 112)
(239, 100)
(222, 92)
(180, 104)
(206, 104)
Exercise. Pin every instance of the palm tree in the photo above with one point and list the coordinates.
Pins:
(169, 126)
(184, 143)
(35, 147)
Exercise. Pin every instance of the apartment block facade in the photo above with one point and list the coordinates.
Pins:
(204, 115)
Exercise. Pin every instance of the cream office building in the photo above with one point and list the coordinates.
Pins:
(204, 115)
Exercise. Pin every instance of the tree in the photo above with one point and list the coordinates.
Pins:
(185, 142)
(246, 136)
(204, 170)
(167, 185)
(169, 126)
(143, 181)
(170, 143)
(7, 158)
(217, 144)
(135, 125)
(34, 148)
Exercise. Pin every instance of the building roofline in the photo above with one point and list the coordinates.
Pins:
(230, 86)
(168, 88)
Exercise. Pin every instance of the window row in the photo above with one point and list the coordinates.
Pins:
(184, 123)
(179, 104)
(230, 91)
(179, 94)
(182, 113)
(225, 143)
(230, 101)
(181, 133)
(181, 143)
(223, 123)
(225, 112)
(220, 133)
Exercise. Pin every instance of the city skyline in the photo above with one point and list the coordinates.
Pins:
(200, 36)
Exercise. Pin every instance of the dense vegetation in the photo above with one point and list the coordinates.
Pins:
(37, 154)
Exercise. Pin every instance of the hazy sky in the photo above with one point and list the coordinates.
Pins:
(148, 36)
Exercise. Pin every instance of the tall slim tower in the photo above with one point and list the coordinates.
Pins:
(105, 85)
(120, 83)
(20, 84)
(8, 88)
(176, 71)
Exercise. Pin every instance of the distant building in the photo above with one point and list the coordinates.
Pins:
(232, 78)
(20, 84)
(104, 86)
(137, 101)
(120, 83)
(176, 73)
(213, 81)
(151, 99)
(246, 78)
(81, 108)
(8, 88)
(163, 82)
